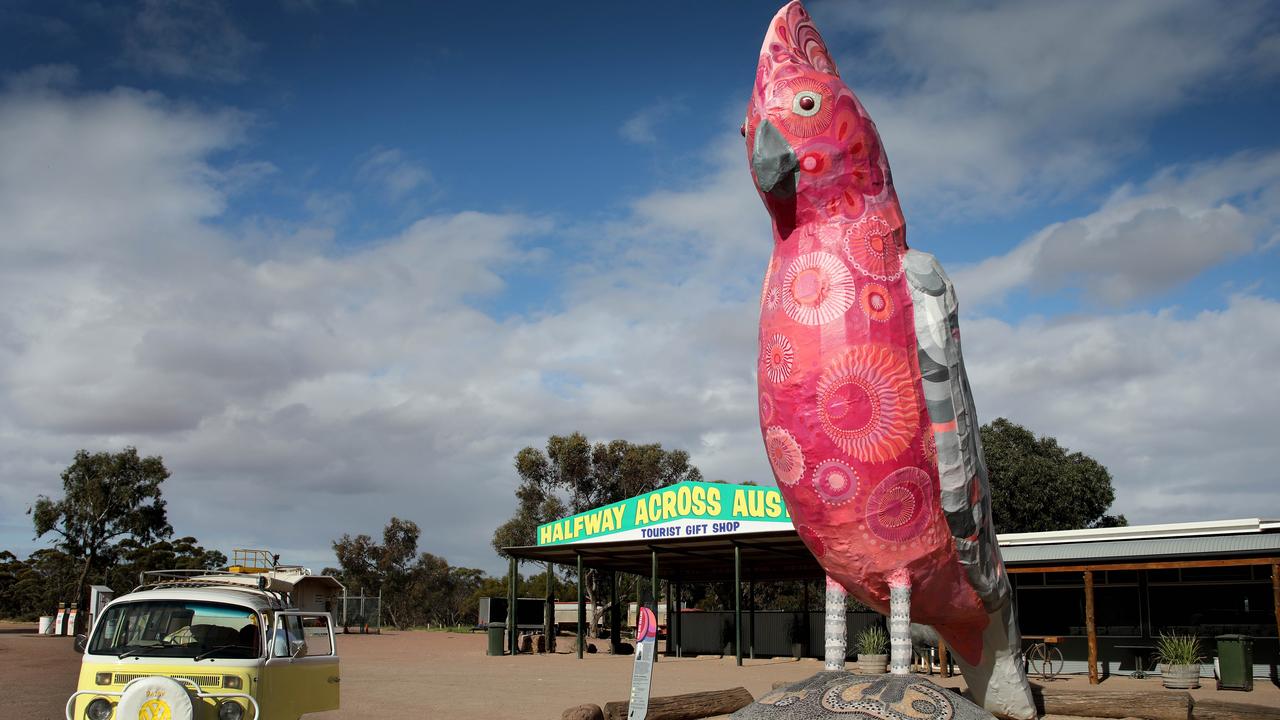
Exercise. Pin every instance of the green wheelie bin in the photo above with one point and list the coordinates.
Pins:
(496, 631)
(1235, 662)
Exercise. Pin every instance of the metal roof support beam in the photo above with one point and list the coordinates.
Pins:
(737, 601)
(549, 613)
(679, 618)
(653, 556)
(512, 638)
(582, 607)
(615, 617)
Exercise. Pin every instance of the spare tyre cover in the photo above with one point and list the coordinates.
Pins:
(154, 698)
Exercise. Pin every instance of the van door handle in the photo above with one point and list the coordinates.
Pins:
(334, 679)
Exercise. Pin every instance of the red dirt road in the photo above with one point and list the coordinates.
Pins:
(414, 675)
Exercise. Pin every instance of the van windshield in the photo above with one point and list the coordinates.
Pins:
(178, 628)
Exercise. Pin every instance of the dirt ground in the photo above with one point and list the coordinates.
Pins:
(446, 675)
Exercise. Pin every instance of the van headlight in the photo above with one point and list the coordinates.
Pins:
(99, 709)
(230, 710)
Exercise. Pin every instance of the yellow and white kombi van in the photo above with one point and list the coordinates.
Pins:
(252, 642)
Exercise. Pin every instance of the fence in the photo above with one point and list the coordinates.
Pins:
(361, 614)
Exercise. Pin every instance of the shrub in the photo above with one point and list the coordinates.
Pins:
(873, 640)
(1177, 649)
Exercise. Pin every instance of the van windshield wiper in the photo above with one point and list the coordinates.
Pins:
(211, 651)
(143, 650)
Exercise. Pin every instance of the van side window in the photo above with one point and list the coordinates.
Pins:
(318, 636)
(288, 631)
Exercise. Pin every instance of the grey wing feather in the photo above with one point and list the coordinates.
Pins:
(962, 470)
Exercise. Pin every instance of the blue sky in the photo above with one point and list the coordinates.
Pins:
(341, 260)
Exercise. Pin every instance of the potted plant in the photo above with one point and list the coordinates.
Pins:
(1179, 656)
(873, 646)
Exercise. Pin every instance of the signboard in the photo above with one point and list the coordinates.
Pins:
(687, 509)
(646, 646)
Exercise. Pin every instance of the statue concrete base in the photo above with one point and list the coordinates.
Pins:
(865, 697)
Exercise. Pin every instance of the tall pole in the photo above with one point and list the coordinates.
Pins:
(615, 612)
(582, 607)
(511, 608)
(549, 622)
(751, 618)
(737, 601)
(805, 620)
(679, 619)
(1090, 627)
(653, 557)
(670, 623)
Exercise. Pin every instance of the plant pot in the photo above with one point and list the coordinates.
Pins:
(872, 664)
(1180, 677)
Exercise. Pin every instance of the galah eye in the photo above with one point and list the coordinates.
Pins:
(806, 103)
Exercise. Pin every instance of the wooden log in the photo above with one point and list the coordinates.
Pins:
(691, 706)
(1223, 710)
(1150, 704)
(583, 712)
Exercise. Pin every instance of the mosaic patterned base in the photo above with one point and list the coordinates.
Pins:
(862, 697)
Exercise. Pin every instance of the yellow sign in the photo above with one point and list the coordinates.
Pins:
(674, 511)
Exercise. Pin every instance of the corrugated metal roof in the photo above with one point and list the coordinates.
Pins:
(1142, 548)
(1134, 532)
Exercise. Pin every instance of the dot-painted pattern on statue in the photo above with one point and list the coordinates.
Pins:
(878, 699)
(876, 302)
(817, 289)
(785, 455)
(777, 358)
(871, 247)
(867, 403)
(827, 695)
(835, 482)
(900, 507)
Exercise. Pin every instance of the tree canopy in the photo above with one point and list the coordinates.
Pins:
(574, 475)
(416, 589)
(107, 498)
(108, 527)
(1038, 485)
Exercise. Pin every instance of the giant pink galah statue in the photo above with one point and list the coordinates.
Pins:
(865, 409)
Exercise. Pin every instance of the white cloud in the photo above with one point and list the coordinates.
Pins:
(1177, 407)
(986, 107)
(188, 39)
(1144, 239)
(298, 392)
(641, 128)
(392, 173)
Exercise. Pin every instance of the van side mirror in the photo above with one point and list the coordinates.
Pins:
(298, 649)
(80, 642)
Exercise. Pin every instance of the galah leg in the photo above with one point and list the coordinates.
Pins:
(834, 625)
(900, 623)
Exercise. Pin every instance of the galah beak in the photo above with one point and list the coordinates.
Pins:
(774, 162)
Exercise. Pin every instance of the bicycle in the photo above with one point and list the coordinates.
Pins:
(1043, 658)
